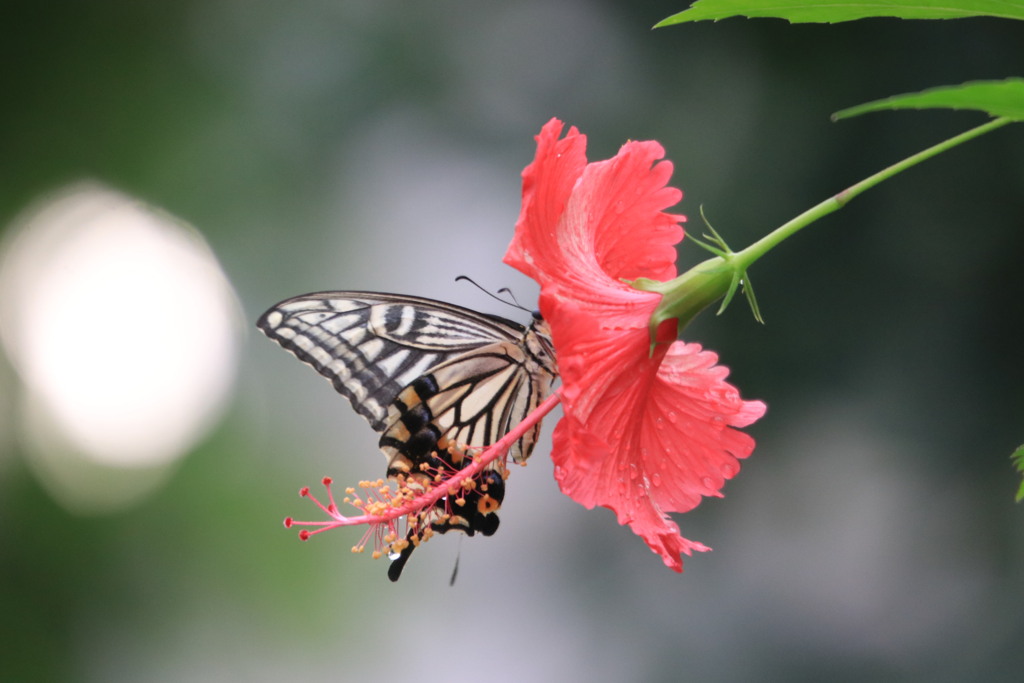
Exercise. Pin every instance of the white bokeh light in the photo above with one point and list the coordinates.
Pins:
(122, 327)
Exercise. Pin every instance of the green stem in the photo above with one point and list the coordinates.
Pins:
(696, 289)
(745, 258)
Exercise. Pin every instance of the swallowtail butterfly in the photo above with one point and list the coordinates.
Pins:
(426, 375)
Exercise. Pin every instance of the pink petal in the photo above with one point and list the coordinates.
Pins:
(588, 226)
(615, 216)
(642, 435)
(652, 439)
(547, 185)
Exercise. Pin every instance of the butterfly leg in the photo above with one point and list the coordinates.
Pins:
(476, 511)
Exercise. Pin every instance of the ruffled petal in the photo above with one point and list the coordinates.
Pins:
(548, 183)
(616, 217)
(645, 438)
(644, 435)
(586, 227)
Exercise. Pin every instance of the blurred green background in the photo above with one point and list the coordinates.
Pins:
(377, 145)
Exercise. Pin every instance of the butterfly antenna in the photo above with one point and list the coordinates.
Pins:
(504, 290)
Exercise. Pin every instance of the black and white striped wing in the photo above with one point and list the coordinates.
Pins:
(372, 345)
(471, 400)
(434, 380)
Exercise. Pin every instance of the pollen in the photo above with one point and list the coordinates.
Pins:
(377, 508)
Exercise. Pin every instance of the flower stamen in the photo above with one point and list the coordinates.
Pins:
(404, 510)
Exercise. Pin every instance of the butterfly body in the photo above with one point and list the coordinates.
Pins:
(432, 378)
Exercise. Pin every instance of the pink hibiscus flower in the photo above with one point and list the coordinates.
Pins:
(645, 433)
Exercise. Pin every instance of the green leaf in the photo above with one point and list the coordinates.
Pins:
(997, 98)
(834, 11)
(1018, 461)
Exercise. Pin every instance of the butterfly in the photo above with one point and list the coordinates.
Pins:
(432, 378)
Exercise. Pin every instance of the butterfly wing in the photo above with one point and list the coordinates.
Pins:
(433, 378)
(371, 345)
(470, 400)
